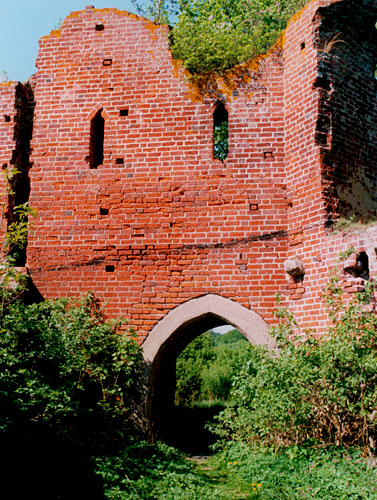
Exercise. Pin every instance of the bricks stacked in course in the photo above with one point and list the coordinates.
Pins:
(161, 221)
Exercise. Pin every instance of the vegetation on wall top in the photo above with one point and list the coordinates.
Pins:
(215, 35)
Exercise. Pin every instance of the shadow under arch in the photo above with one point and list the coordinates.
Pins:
(174, 332)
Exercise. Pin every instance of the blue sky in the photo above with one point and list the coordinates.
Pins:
(23, 22)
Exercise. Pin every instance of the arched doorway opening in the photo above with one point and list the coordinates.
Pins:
(172, 334)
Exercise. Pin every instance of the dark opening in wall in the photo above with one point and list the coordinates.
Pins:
(107, 62)
(123, 112)
(360, 267)
(97, 134)
(99, 27)
(220, 132)
(302, 45)
(7, 118)
(19, 185)
(119, 161)
(104, 211)
(109, 269)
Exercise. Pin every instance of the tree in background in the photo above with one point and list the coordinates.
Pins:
(160, 11)
(206, 367)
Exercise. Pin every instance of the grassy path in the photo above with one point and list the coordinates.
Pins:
(226, 483)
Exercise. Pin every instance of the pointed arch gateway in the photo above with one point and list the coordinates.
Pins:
(211, 309)
(180, 327)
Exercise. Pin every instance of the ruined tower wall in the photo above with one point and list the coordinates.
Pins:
(330, 113)
(160, 221)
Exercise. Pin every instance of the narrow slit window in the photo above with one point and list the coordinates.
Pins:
(220, 132)
(97, 134)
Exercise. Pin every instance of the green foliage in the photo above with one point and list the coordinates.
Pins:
(4, 76)
(152, 472)
(296, 473)
(314, 391)
(145, 471)
(160, 11)
(230, 337)
(221, 141)
(205, 369)
(214, 35)
(12, 282)
(60, 361)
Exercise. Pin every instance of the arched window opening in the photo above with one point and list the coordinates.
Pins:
(97, 134)
(220, 132)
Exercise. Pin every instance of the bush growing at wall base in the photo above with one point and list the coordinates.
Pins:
(317, 391)
(66, 380)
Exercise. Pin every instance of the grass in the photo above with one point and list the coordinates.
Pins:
(159, 472)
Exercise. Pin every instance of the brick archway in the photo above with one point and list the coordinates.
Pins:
(211, 309)
(176, 330)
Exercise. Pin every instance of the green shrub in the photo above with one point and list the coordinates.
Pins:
(316, 390)
(214, 35)
(60, 361)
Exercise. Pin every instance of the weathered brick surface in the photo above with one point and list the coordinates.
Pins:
(330, 116)
(160, 221)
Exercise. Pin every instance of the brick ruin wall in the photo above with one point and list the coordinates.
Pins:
(159, 221)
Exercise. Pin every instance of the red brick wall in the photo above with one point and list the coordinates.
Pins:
(161, 221)
(179, 224)
(330, 142)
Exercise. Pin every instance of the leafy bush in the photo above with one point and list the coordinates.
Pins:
(66, 380)
(316, 390)
(60, 360)
(214, 35)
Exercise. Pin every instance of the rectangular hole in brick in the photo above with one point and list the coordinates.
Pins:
(104, 211)
(107, 62)
(7, 118)
(123, 112)
(119, 161)
(109, 269)
(268, 154)
(254, 206)
(100, 27)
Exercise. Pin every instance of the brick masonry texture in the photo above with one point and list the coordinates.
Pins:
(159, 221)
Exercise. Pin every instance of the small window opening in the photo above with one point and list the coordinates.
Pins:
(220, 132)
(97, 133)
(123, 112)
(302, 45)
(119, 161)
(104, 211)
(107, 62)
(7, 118)
(99, 27)
(360, 267)
(109, 269)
